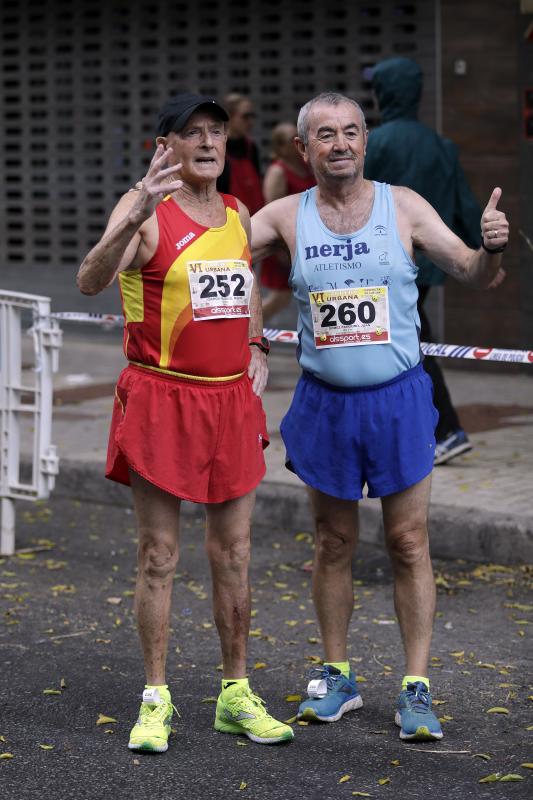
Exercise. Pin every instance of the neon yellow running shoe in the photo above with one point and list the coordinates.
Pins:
(151, 731)
(239, 710)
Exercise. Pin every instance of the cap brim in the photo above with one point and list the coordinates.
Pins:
(208, 105)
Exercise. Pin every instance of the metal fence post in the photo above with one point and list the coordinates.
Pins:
(24, 399)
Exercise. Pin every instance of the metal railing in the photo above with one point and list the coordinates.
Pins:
(26, 397)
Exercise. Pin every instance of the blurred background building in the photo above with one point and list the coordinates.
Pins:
(82, 80)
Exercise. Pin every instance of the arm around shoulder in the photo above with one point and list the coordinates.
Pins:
(274, 225)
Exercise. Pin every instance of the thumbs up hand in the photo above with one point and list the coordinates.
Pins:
(494, 225)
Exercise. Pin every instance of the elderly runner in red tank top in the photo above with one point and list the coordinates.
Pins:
(188, 422)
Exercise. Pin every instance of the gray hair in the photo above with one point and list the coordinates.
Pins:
(326, 98)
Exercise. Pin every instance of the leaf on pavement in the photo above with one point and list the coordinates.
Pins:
(290, 721)
(243, 785)
(6, 755)
(527, 765)
(47, 746)
(63, 683)
(103, 720)
(511, 777)
(492, 778)
(51, 691)
(484, 756)
(395, 763)
(383, 781)
(498, 710)
(344, 778)
(361, 794)
(241, 743)
(293, 698)
(209, 699)
(259, 665)
(114, 601)
(438, 702)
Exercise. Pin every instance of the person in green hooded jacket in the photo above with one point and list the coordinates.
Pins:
(405, 152)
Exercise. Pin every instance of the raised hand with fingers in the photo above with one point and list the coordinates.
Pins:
(494, 225)
(158, 182)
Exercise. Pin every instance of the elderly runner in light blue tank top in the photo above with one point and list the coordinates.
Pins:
(362, 413)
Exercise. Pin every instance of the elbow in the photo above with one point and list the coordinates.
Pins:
(86, 286)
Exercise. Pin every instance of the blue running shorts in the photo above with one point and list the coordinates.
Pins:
(338, 439)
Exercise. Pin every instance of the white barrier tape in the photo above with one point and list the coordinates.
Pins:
(291, 337)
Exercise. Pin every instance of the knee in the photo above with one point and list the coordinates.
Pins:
(232, 556)
(409, 547)
(157, 560)
(334, 547)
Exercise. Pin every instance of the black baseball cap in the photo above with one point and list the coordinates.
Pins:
(177, 110)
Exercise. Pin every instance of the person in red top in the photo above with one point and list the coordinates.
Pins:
(287, 174)
(241, 176)
(187, 420)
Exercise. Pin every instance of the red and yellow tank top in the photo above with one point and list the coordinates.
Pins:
(160, 332)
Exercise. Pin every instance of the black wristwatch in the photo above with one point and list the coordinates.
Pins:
(261, 342)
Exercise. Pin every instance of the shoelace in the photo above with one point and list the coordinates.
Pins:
(155, 715)
(321, 673)
(248, 698)
(418, 696)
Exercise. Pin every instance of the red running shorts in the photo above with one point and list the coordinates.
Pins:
(197, 440)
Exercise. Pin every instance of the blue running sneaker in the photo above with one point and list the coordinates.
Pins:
(414, 716)
(330, 695)
(453, 445)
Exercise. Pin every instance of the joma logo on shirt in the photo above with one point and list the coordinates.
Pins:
(183, 242)
(345, 251)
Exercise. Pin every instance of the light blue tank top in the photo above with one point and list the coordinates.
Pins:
(371, 256)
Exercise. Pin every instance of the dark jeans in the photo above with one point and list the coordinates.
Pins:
(448, 419)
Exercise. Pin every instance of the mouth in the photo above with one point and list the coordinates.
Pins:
(205, 160)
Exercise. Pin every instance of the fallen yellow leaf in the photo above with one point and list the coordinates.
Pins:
(344, 778)
(383, 781)
(293, 698)
(527, 765)
(438, 702)
(495, 776)
(51, 691)
(241, 743)
(243, 785)
(103, 720)
(484, 756)
(458, 654)
(209, 699)
(6, 755)
(290, 721)
(63, 683)
(303, 722)
(259, 665)
(47, 746)
(511, 777)
(395, 763)
(114, 601)
(498, 710)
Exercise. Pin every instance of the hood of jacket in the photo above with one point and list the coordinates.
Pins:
(397, 83)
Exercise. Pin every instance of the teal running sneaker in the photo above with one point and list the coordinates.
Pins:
(331, 695)
(414, 716)
(152, 729)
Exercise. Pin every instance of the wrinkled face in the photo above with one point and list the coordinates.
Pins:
(242, 120)
(336, 141)
(200, 147)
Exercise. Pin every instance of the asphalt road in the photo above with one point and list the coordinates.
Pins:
(67, 626)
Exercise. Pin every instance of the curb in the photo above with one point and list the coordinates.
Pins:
(469, 533)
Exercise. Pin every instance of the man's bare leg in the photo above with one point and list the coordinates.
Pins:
(158, 521)
(228, 549)
(336, 531)
(406, 535)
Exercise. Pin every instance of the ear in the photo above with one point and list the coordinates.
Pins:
(161, 140)
(302, 148)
